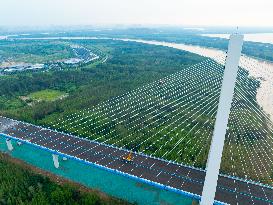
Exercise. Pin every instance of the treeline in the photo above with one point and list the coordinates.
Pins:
(175, 35)
(254, 49)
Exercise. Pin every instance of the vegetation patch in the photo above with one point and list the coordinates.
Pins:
(34, 51)
(46, 95)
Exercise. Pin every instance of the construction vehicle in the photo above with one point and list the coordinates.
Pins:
(161, 82)
(128, 158)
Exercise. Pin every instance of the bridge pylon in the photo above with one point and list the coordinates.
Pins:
(218, 138)
(55, 158)
(9, 144)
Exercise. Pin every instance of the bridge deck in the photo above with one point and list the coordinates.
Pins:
(231, 191)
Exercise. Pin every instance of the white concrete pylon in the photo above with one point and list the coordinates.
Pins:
(217, 143)
(9, 144)
(55, 158)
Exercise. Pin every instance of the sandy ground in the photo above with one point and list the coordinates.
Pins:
(263, 72)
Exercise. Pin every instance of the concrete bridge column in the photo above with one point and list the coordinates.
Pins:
(56, 160)
(9, 144)
(218, 138)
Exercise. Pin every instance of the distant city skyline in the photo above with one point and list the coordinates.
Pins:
(142, 12)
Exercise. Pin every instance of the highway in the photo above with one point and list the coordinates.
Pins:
(230, 190)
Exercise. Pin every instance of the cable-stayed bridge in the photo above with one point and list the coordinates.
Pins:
(168, 127)
(169, 175)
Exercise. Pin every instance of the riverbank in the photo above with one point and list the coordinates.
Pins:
(261, 70)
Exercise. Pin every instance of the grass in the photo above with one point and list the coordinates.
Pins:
(46, 95)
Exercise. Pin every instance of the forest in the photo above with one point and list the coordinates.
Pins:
(128, 66)
(171, 34)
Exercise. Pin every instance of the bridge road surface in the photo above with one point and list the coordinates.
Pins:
(231, 191)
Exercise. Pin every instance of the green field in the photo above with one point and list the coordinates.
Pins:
(47, 95)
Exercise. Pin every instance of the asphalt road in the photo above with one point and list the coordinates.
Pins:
(231, 191)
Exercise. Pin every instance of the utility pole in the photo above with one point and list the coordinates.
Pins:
(218, 138)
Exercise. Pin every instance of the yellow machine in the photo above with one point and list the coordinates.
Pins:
(161, 82)
(128, 158)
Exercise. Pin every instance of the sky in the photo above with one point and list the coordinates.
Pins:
(142, 12)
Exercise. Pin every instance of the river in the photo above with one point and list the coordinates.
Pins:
(253, 37)
(258, 69)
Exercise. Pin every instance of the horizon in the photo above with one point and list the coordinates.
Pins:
(6, 30)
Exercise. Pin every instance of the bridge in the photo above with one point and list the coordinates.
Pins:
(168, 125)
(167, 175)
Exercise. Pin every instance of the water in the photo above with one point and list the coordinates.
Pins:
(112, 184)
(253, 37)
(261, 70)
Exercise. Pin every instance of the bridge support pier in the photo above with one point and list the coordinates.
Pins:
(9, 144)
(218, 138)
(55, 158)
